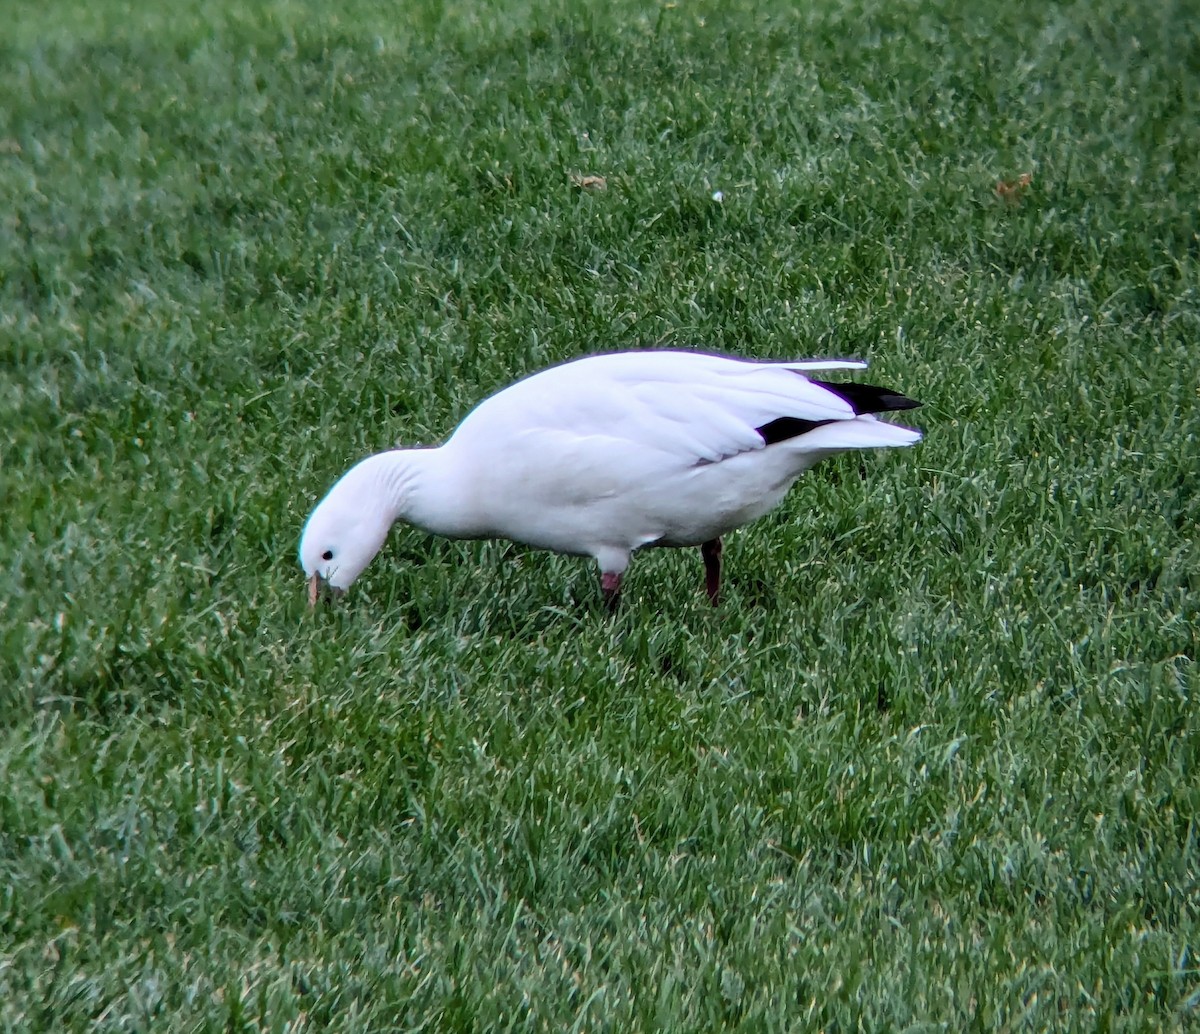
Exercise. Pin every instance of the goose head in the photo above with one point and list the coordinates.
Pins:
(342, 535)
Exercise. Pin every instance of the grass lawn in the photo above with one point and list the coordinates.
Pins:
(934, 763)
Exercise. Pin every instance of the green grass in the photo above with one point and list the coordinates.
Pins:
(933, 765)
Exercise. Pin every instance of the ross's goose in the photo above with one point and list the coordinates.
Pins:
(603, 455)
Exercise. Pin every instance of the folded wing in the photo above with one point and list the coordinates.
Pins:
(699, 408)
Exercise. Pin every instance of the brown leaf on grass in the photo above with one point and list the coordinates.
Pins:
(588, 181)
(1013, 190)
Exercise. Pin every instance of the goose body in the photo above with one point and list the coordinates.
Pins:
(604, 455)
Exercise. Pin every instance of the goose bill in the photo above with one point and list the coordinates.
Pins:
(318, 586)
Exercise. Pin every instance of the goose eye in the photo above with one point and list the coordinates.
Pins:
(327, 555)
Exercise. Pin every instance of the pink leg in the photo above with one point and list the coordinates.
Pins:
(610, 585)
(711, 551)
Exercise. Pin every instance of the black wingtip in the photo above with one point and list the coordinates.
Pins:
(785, 427)
(867, 398)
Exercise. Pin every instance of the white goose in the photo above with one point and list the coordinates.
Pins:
(604, 455)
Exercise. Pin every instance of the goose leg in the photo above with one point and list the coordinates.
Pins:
(711, 551)
(610, 585)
